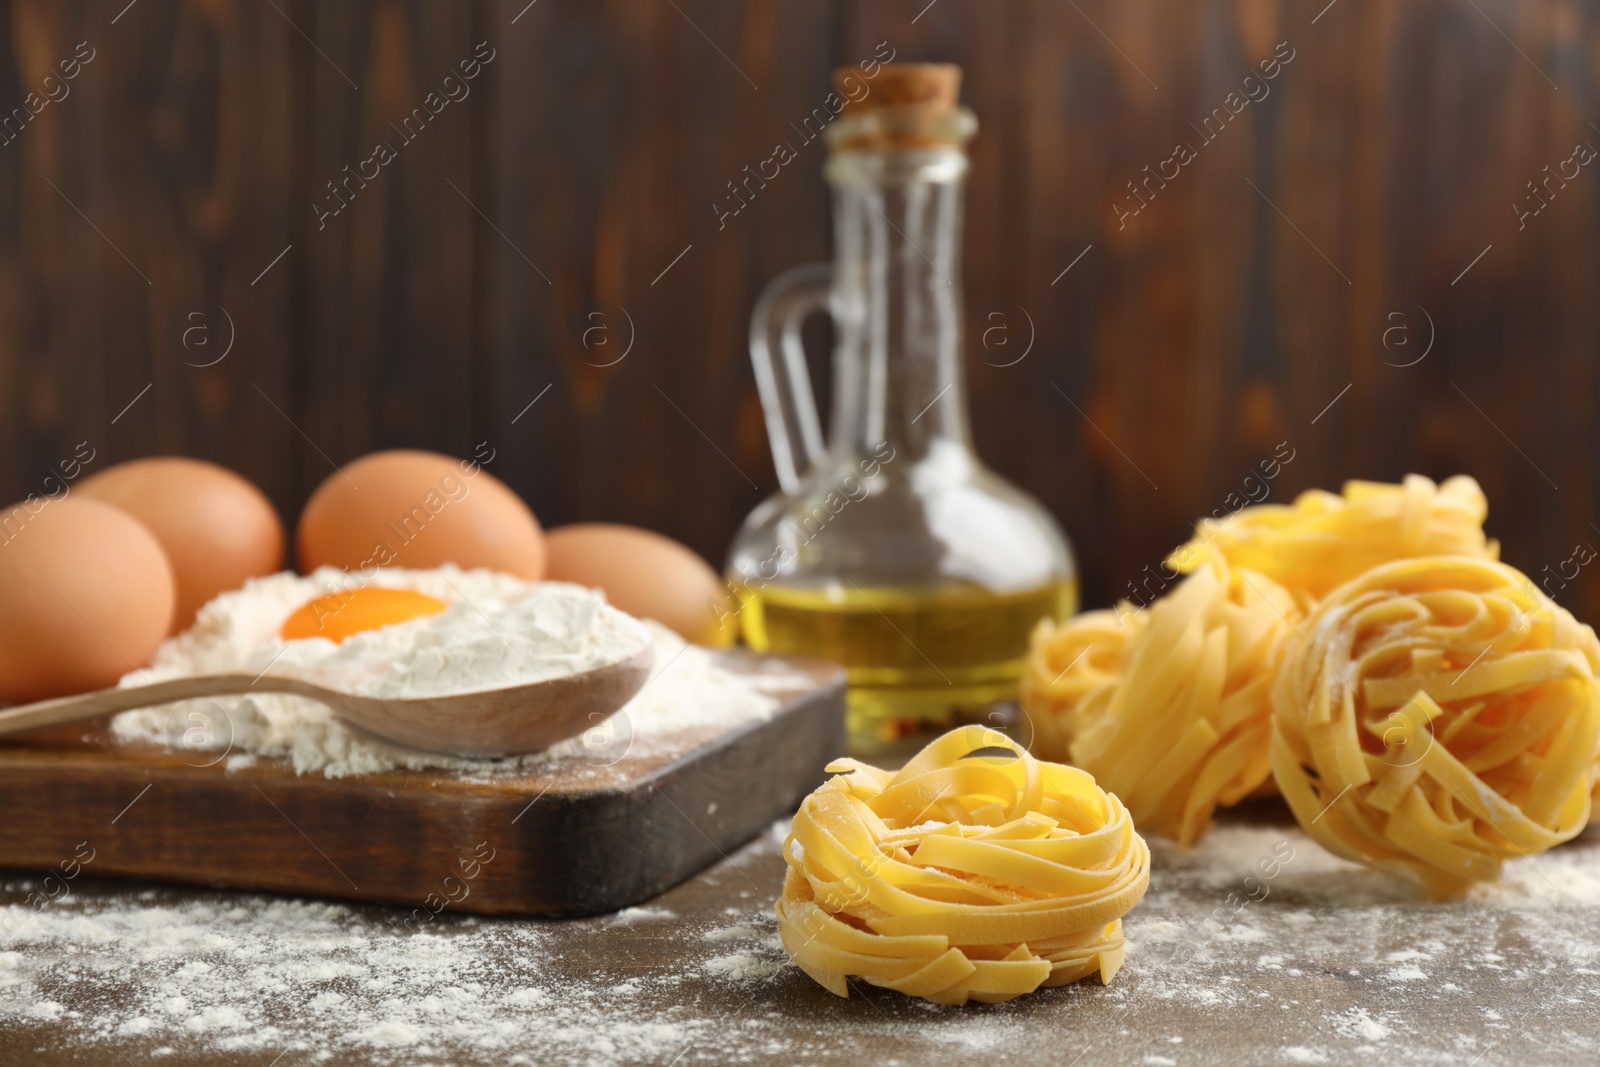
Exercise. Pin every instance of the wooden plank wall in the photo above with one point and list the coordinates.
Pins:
(524, 234)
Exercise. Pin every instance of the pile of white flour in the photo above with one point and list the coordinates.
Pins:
(497, 631)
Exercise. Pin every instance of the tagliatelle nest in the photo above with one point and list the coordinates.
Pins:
(1182, 727)
(1443, 717)
(1323, 539)
(975, 872)
(1072, 668)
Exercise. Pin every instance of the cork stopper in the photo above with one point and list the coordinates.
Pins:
(935, 87)
(901, 106)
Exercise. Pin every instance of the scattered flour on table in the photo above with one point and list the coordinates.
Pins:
(497, 631)
(1357, 959)
(640, 914)
(1357, 1023)
(1558, 879)
(743, 967)
(211, 972)
(761, 956)
(251, 972)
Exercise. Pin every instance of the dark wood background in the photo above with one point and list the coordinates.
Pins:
(1222, 320)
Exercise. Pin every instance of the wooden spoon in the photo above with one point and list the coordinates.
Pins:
(489, 722)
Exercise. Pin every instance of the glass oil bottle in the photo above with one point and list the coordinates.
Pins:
(891, 549)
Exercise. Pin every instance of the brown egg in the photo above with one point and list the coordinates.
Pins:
(87, 595)
(645, 574)
(418, 509)
(218, 529)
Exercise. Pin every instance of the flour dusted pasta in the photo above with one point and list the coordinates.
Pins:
(1443, 716)
(1323, 539)
(974, 873)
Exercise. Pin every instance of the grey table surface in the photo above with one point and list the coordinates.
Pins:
(1311, 961)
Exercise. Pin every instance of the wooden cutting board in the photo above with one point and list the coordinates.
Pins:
(570, 838)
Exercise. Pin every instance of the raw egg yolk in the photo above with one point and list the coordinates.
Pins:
(338, 615)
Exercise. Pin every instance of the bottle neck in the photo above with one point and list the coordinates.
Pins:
(897, 302)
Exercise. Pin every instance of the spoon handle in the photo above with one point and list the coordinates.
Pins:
(107, 701)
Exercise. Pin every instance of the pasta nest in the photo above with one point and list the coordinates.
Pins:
(1172, 710)
(1442, 717)
(1071, 669)
(1324, 539)
(975, 872)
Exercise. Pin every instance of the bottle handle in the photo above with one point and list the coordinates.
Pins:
(779, 358)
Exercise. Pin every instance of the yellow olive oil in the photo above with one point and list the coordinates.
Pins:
(920, 660)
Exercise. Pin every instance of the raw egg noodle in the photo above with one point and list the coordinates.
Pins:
(1073, 665)
(1186, 727)
(1323, 539)
(1444, 717)
(976, 872)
